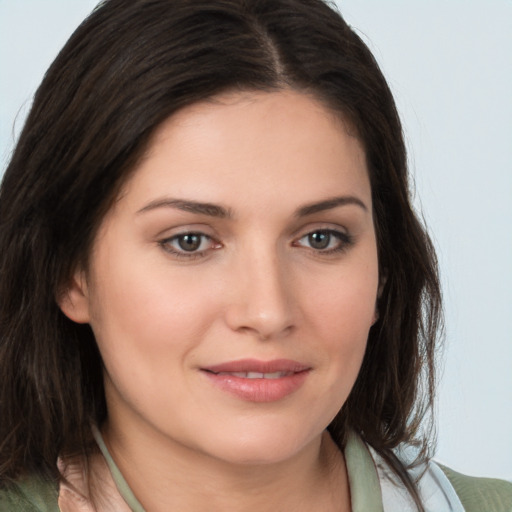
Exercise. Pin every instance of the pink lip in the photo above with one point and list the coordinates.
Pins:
(258, 389)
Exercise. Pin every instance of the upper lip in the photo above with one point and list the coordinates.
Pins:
(255, 365)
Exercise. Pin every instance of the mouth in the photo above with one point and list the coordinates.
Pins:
(258, 381)
(253, 367)
(256, 375)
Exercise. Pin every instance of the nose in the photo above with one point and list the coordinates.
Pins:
(261, 299)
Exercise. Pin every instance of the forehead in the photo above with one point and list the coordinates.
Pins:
(236, 145)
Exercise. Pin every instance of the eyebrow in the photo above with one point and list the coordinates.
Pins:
(210, 209)
(329, 204)
(214, 210)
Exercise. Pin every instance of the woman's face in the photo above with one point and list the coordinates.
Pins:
(232, 286)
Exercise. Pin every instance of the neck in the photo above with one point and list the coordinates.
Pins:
(164, 475)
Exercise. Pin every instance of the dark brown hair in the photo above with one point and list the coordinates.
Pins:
(128, 67)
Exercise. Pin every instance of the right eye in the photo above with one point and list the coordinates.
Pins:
(189, 245)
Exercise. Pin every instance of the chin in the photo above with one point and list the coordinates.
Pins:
(263, 447)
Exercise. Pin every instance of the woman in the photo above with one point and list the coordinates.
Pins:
(214, 293)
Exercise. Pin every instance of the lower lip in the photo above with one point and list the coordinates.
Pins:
(259, 390)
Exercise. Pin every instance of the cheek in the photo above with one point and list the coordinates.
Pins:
(340, 316)
(147, 326)
(144, 316)
(344, 303)
(343, 329)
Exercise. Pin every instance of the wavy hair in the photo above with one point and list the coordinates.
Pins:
(129, 66)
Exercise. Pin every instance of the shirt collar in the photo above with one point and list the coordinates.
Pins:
(365, 492)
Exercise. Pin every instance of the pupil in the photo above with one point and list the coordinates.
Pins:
(189, 242)
(319, 240)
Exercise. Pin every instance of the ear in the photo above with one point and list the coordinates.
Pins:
(375, 314)
(74, 299)
(382, 283)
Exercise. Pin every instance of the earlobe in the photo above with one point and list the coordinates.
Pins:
(74, 299)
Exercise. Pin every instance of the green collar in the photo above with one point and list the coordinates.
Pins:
(365, 493)
(121, 484)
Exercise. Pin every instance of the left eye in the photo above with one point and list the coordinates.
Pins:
(187, 243)
(325, 240)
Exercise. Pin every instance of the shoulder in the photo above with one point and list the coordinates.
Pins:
(477, 494)
(30, 494)
(441, 488)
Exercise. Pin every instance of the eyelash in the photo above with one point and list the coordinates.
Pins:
(345, 240)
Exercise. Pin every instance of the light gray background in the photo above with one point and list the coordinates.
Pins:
(449, 63)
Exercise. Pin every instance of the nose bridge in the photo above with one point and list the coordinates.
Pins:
(262, 302)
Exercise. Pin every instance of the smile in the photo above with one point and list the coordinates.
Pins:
(257, 375)
(258, 381)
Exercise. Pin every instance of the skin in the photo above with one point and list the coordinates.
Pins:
(258, 287)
